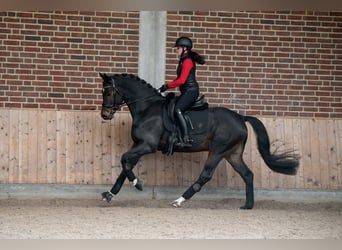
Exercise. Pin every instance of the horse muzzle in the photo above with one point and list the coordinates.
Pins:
(107, 114)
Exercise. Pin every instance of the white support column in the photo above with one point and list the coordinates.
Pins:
(152, 40)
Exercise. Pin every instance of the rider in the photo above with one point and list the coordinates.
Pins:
(186, 81)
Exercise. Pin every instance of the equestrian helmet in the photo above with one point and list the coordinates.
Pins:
(184, 42)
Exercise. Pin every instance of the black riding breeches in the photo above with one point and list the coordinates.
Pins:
(186, 100)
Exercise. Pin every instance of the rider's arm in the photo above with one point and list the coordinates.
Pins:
(186, 67)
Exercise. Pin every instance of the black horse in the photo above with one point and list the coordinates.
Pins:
(225, 136)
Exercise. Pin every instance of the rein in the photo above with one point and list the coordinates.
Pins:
(139, 99)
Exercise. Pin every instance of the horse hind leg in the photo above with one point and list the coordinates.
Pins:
(236, 160)
(205, 176)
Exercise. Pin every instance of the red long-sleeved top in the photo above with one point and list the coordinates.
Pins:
(187, 65)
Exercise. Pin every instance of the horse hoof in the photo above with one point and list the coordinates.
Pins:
(106, 196)
(139, 185)
(245, 207)
(175, 204)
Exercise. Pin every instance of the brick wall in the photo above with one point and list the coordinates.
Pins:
(52, 59)
(266, 63)
(258, 63)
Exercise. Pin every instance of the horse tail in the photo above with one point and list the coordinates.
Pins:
(285, 162)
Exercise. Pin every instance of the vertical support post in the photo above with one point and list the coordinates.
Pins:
(152, 40)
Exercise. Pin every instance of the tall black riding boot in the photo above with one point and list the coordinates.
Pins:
(186, 140)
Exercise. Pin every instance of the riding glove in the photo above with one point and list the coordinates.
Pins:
(163, 88)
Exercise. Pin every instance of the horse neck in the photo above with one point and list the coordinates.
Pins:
(137, 93)
(139, 97)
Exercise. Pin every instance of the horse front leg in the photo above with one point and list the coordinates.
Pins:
(108, 195)
(128, 161)
(205, 176)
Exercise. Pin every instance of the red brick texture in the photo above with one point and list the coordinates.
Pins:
(52, 59)
(285, 63)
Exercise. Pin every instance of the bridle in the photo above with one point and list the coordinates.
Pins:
(114, 107)
(125, 101)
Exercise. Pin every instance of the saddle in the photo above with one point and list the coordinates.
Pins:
(196, 118)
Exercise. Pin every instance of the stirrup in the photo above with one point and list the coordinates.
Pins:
(188, 140)
(185, 142)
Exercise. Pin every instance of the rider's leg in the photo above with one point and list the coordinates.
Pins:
(184, 127)
(185, 101)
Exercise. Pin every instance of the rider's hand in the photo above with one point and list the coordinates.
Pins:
(163, 88)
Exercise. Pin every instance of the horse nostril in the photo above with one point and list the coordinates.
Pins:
(106, 117)
(103, 116)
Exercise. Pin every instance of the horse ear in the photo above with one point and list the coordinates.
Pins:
(104, 76)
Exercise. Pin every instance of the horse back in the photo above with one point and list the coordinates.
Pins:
(224, 119)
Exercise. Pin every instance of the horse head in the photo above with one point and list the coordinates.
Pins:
(112, 99)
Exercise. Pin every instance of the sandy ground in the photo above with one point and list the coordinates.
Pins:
(156, 219)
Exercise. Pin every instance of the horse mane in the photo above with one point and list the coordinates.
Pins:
(136, 78)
